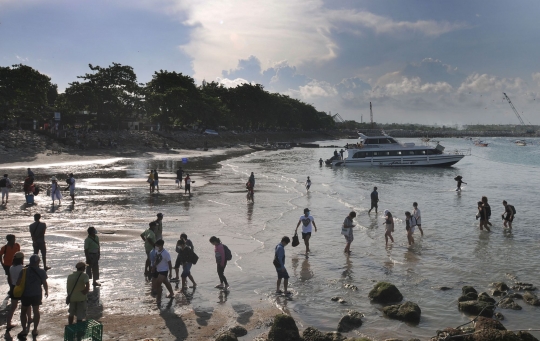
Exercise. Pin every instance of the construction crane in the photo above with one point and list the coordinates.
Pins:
(371, 114)
(513, 108)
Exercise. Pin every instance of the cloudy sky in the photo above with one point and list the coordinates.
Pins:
(444, 62)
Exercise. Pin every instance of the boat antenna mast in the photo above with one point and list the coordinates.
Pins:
(513, 108)
(371, 113)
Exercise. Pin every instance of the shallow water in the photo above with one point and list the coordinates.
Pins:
(453, 252)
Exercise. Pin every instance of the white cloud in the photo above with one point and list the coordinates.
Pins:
(231, 83)
(317, 89)
(410, 86)
(536, 77)
(485, 83)
(21, 59)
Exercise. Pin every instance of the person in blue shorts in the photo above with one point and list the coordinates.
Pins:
(279, 263)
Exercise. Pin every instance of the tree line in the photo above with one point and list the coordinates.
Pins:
(113, 96)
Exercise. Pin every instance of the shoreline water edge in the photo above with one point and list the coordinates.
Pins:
(127, 316)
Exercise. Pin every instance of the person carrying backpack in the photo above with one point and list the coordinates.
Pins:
(187, 258)
(510, 211)
(223, 254)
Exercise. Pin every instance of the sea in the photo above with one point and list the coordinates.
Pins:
(112, 195)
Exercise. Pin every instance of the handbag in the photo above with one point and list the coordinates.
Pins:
(19, 289)
(68, 298)
(194, 258)
(295, 241)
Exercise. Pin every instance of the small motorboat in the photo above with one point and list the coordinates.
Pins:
(479, 143)
(521, 143)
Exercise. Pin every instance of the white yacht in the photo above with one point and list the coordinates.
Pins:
(385, 151)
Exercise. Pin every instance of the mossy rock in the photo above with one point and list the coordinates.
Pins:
(467, 289)
(313, 334)
(385, 292)
(487, 323)
(227, 336)
(350, 321)
(470, 296)
(531, 298)
(238, 331)
(484, 297)
(283, 329)
(408, 312)
(526, 336)
(477, 307)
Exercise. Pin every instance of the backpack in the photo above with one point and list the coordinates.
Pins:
(513, 209)
(228, 253)
(3, 182)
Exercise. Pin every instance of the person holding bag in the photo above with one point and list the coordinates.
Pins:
(347, 231)
(78, 286)
(14, 271)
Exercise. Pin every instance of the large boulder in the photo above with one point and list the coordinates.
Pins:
(494, 335)
(526, 336)
(227, 336)
(501, 286)
(477, 307)
(238, 331)
(350, 321)
(487, 323)
(531, 298)
(471, 296)
(408, 312)
(484, 297)
(385, 292)
(467, 289)
(313, 334)
(283, 329)
(508, 303)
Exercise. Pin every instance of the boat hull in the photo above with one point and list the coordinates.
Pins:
(443, 160)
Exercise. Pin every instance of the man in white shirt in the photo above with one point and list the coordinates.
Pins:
(161, 266)
(418, 217)
(308, 223)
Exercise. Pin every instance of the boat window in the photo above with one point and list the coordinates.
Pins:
(386, 153)
(392, 141)
(430, 152)
(368, 154)
(371, 141)
(383, 141)
(394, 153)
(420, 152)
(375, 153)
(359, 155)
(410, 152)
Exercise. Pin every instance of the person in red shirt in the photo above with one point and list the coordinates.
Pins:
(8, 251)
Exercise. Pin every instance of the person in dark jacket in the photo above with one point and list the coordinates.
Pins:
(185, 257)
(374, 200)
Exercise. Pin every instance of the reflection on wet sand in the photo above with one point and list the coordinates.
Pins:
(348, 272)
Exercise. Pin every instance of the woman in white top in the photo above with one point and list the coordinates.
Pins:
(389, 223)
(416, 214)
(14, 271)
(56, 191)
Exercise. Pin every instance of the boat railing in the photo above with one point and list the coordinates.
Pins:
(465, 152)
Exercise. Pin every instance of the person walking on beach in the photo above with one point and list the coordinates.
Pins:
(221, 260)
(33, 294)
(92, 252)
(37, 232)
(410, 225)
(460, 181)
(321, 161)
(279, 263)
(347, 231)
(14, 271)
(251, 180)
(188, 185)
(56, 193)
(156, 180)
(71, 183)
(30, 173)
(487, 208)
(159, 226)
(308, 222)
(389, 226)
(150, 180)
(7, 252)
(179, 177)
(308, 184)
(250, 194)
(178, 262)
(185, 257)
(77, 286)
(149, 238)
(161, 267)
(374, 200)
(5, 186)
(510, 211)
(417, 215)
(482, 215)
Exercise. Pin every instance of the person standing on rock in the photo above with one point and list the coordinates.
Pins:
(509, 210)
(156, 180)
(389, 226)
(417, 215)
(5, 185)
(347, 231)
(149, 238)
(56, 193)
(188, 185)
(71, 182)
(374, 200)
(279, 263)
(92, 251)
(78, 286)
(159, 226)
(37, 232)
(179, 177)
(308, 222)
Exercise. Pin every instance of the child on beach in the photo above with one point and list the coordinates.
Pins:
(389, 226)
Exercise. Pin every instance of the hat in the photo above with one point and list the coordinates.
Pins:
(91, 229)
(160, 214)
(34, 259)
(18, 254)
(306, 210)
(80, 265)
(386, 212)
(53, 178)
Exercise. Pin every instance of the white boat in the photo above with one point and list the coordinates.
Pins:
(520, 143)
(385, 151)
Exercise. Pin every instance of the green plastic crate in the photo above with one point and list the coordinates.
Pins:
(84, 331)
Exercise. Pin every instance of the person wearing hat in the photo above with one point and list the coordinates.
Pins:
(92, 253)
(33, 294)
(56, 193)
(308, 223)
(14, 271)
(37, 232)
(5, 185)
(149, 238)
(159, 226)
(71, 183)
(78, 286)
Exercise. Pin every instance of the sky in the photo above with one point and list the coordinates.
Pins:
(418, 61)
